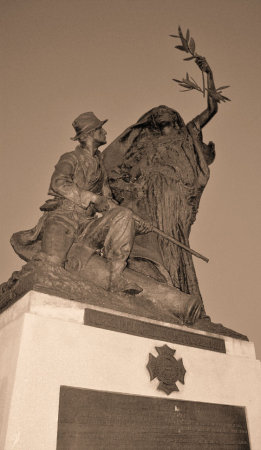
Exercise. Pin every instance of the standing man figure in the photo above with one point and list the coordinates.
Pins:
(80, 190)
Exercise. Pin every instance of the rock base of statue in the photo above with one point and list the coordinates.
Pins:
(157, 301)
(78, 376)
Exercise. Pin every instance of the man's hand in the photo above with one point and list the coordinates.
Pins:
(143, 227)
(101, 203)
(203, 64)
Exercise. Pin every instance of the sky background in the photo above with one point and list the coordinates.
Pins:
(115, 57)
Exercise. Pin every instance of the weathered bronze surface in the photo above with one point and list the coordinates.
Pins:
(86, 231)
(167, 369)
(121, 219)
(128, 325)
(159, 167)
(54, 280)
(82, 210)
(98, 420)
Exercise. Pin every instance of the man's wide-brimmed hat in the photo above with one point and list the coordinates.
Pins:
(86, 122)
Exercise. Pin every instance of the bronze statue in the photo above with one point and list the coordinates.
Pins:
(159, 168)
(129, 209)
(88, 232)
(80, 190)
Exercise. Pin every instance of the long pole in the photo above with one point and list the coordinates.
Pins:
(174, 241)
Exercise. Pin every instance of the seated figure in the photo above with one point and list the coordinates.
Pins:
(82, 204)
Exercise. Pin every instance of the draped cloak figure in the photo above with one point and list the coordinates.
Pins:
(159, 168)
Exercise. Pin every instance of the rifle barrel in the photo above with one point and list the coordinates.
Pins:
(175, 241)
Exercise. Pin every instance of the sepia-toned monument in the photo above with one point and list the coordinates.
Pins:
(107, 307)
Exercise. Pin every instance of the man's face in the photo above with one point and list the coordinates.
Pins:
(99, 136)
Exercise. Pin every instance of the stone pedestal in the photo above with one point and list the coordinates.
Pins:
(75, 377)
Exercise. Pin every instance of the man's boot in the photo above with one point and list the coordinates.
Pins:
(117, 281)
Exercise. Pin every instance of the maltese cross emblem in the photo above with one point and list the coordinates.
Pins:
(167, 369)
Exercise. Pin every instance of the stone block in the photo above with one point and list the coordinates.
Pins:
(49, 344)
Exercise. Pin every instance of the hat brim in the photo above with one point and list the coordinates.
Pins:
(76, 137)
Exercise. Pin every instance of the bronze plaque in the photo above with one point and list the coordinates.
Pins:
(160, 332)
(98, 420)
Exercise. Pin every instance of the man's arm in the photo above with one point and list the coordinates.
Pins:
(202, 119)
(62, 184)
